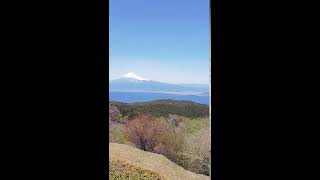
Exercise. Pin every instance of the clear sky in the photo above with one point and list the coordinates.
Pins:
(163, 40)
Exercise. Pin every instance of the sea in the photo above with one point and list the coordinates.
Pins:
(131, 97)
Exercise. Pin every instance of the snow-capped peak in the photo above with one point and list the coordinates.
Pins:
(132, 75)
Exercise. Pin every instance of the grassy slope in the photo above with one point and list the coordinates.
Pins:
(121, 170)
(164, 108)
(155, 164)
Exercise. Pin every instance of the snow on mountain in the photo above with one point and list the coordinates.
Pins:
(132, 75)
(132, 82)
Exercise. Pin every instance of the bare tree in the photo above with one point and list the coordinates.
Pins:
(145, 132)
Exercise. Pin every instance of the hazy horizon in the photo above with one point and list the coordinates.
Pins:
(163, 81)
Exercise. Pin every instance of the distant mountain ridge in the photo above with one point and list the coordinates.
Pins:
(131, 82)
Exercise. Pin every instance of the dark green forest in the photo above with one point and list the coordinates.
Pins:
(163, 108)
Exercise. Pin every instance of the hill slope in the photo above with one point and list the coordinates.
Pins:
(163, 108)
(154, 165)
(121, 170)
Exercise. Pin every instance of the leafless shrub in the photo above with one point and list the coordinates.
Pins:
(170, 144)
(174, 120)
(145, 132)
(196, 152)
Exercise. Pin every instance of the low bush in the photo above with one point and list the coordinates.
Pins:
(145, 132)
(117, 134)
(193, 125)
(195, 154)
(170, 144)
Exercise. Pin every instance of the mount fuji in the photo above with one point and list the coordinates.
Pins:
(131, 82)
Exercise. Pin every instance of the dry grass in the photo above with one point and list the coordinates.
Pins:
(151, 162)
(126, 171)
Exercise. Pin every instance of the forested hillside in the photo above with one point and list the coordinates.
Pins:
(163, 108)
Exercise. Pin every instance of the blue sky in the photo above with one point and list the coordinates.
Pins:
(163, 40)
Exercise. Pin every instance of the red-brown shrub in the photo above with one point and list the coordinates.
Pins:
(145, 132)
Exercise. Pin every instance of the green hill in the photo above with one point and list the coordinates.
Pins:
(163, 108)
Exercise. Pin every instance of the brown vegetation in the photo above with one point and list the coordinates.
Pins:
(195, 154)
(185, 141)
(145, 132)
